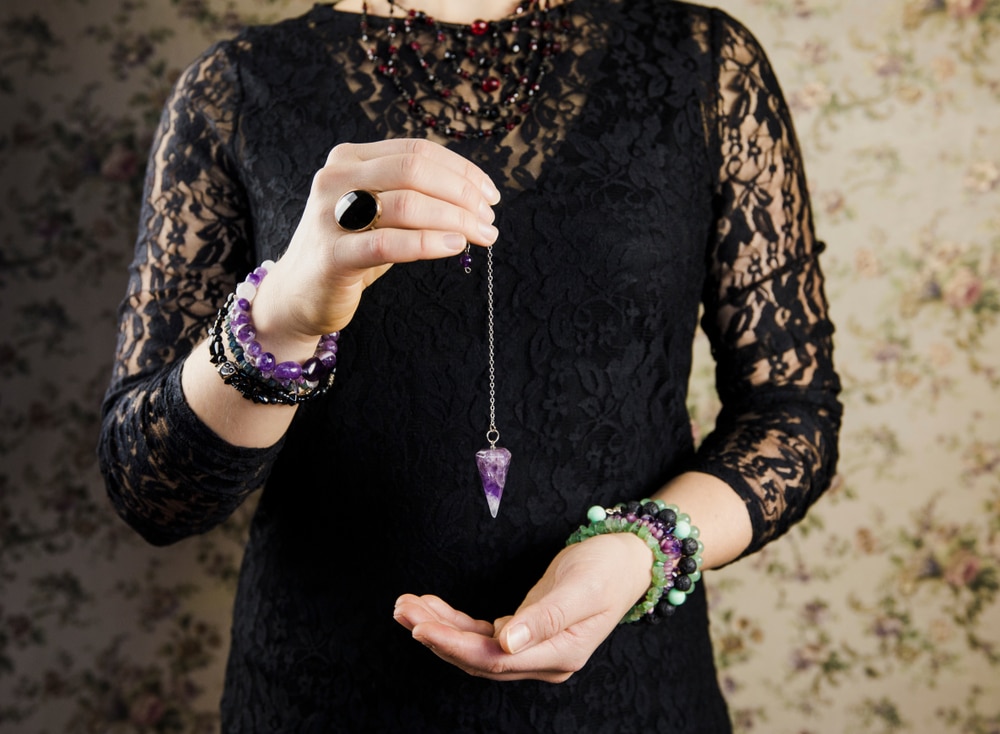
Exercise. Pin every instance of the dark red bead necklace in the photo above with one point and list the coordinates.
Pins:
(475, 80)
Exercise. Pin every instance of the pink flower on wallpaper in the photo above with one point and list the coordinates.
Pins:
(965, 8)
(962, 570)
(120, 164)
(964, 289)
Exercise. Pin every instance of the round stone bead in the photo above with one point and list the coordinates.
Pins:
(676, 597)
(288, 371)
(682, 529)
(687, 565)
(313, 370)
(246, 334)
(689, 546)
(596, 514)
(665, 608)
(246, 290)
(266, 363)
(667, 517)
(683, 583)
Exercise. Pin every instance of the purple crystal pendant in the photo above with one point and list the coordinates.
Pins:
(493, 463)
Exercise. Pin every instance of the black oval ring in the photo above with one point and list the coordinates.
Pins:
(358, 210)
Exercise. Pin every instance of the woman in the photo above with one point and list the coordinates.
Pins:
(628, 161)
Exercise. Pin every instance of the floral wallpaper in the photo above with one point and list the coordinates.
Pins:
(880, 613)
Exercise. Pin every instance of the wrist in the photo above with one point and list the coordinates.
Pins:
(282, 334)
(671, 539)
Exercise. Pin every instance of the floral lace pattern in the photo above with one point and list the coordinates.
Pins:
(671, 178)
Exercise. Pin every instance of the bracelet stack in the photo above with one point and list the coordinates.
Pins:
(255, 373)
(673, 541)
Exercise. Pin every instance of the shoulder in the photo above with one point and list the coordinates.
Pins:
(710, 26)
(214, 79)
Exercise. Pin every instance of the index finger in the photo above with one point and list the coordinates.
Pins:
(438, 154)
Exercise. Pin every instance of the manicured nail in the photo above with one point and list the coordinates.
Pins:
(491, 192)
(518, 637)
(489, 232)
(454, 243)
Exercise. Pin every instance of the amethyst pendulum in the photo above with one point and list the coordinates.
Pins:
(492, 462)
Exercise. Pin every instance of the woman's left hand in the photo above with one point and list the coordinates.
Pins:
(580, 599)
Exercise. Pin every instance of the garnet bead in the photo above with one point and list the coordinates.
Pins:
(479, 27)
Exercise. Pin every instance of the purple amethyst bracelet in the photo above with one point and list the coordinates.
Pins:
(256, 373)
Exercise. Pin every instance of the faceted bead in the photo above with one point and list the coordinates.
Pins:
(493, 464)
(479, 27)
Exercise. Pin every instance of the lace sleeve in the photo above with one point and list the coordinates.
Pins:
(775, 440)
(167, 474)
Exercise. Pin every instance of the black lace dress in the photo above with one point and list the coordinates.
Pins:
(657, 172)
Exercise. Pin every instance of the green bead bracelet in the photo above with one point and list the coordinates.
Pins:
(673, 541)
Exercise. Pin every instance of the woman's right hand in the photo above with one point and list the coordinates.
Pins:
(433, 202)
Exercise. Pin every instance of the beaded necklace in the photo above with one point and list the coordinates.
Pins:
(501, 64)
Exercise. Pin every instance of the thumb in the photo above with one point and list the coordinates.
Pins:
(533, 624)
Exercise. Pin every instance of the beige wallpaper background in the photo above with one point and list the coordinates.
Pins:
(878, 614)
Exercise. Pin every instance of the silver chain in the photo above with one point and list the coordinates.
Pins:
(492, 435)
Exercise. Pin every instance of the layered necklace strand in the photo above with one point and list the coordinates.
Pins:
(501, 64)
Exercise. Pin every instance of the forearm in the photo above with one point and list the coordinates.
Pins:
(232, 417)
(717, 510)
(167, 474)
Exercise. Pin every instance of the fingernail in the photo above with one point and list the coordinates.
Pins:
(518, 637)
(491, 192)
(454, 243)
(489, 232)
